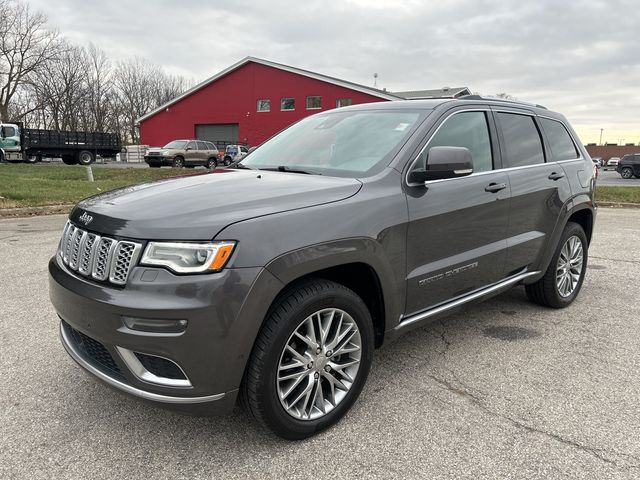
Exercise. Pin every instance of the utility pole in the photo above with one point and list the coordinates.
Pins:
(601, 130)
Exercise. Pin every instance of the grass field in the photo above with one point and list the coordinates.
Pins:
(30, 186)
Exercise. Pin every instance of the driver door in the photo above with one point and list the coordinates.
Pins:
(457, 231)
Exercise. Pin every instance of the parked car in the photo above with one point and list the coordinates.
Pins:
(613, 161)
(629, 166)
(597, 161)
(234, 153)
(348, 229)
(183, 153)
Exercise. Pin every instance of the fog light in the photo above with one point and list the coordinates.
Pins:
(155, 325)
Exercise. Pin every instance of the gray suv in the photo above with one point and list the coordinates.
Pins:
(346, 230)
(183, 153)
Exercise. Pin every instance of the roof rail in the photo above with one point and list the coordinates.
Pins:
(496, 99)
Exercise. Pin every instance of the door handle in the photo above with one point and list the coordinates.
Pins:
(556, 176)
(495, 187)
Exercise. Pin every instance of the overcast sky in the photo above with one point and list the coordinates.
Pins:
(581, 58)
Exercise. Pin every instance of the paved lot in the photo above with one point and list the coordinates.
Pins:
(611, 178)
(505, 390)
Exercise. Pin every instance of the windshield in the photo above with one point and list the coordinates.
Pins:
(176, 144)
(345, 144)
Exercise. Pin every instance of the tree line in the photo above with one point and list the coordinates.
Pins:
(47, 82)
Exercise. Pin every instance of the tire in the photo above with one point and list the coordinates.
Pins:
(227, 161)
(33, 159)
(69, 160)
(212, 163)
(263, 391)
(547, 291)
(626, 173)
(178, 162)
(85, 157)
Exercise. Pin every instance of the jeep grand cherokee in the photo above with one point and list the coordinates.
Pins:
(342, 232)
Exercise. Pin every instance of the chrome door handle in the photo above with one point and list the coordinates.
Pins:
(495, 187)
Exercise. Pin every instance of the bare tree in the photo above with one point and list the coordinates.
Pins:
(26, 44)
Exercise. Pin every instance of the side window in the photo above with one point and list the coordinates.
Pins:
(469, 130)
(343, 102)
(287, 104)
(560, 141)
(264, 105)
(522, 142)
(8, 131)
(191, 145)
(202, 146)
(244, 150)
(211, 146)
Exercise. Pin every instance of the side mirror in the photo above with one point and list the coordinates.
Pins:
(187, 149)
(444, 162)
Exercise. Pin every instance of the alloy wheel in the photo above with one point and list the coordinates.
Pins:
(319, 364)
(569, 266)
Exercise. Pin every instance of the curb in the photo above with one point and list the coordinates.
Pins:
(33, 211)
(617, 205)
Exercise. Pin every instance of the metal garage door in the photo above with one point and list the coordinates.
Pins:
(218, 132)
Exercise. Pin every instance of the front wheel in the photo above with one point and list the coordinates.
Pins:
(178, 162)
(310, 360)
(564, 277)
(626, 173)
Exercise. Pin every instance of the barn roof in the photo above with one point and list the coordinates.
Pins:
(287, 68)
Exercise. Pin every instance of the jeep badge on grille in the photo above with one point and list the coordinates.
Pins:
(86, 218)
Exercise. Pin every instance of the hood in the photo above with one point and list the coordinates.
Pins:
(197, 207)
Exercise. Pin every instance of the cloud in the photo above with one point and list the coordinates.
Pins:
(577, 57)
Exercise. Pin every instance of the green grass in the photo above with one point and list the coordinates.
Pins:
(618, 194)
(36, 185)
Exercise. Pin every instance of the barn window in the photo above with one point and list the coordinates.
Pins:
(314, 103)
(287, 104)
(264, 105)
(343, 102)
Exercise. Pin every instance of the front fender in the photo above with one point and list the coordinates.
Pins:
(304, 261)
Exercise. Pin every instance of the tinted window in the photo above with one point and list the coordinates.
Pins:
(211, 146)
(522, 142)
(468, 130)
(202, 146)
(244, 150)
(191, 145)
(560, 141)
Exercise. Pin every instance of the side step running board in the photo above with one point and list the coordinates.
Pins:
(456, 302)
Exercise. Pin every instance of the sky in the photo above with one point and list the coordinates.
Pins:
(581, 58)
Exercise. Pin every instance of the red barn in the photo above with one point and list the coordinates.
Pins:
(252, 100)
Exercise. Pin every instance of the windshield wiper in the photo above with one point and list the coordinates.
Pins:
(284, 168)
(241, 166)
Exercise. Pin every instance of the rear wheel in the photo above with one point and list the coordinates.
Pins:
(33, 159)
(563, 279)
(212, 163)
(178, 162)
(85, 157)
(626, 173)
(310, 360)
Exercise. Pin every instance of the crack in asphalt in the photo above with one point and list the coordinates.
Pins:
(621, 260)
(461, 389)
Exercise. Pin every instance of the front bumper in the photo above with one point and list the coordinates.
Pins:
(222, 317)
(158, 160)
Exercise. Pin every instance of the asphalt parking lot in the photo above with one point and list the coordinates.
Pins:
(504, 390)
(611, 178)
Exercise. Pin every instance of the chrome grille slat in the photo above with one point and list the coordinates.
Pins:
(102, 258)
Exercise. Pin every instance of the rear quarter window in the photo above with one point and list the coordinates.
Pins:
(560, 141)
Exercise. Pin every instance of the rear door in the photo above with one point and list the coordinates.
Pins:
(456, 239)
(539, 187)
(191, 155)
(203, 152)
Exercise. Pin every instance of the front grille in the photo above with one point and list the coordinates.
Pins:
(161, 367)
(94, 352)
(102, 258)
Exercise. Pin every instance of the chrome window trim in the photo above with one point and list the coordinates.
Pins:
(475, 174)
(139, 370)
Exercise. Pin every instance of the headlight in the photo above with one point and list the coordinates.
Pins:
(188, 257)
(166, 154)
